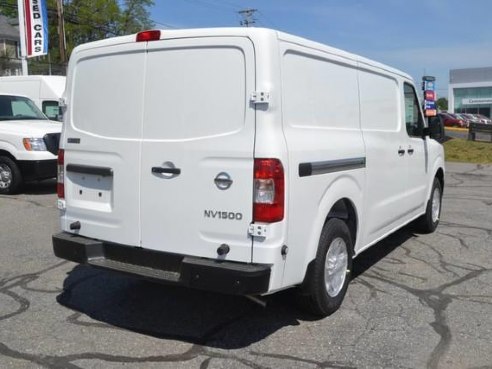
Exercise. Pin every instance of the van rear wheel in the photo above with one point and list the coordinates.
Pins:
(10, 176)
(328, 277)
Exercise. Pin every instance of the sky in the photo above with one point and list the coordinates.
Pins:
(416, 36)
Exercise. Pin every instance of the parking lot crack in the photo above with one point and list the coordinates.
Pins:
(438, 301)
(318, 364)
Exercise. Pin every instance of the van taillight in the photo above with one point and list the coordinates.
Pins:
(268, 197)
(151, 35)
(60, 181)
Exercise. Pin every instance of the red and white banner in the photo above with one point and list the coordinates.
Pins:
(36, 20)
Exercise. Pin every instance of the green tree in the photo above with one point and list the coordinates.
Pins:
(8, 8)
(442, 103)
(135, 16)
(85, 21)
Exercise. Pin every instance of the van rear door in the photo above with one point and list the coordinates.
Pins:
(102, 138)
(197, 148)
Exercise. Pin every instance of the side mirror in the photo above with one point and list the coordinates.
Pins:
(435, 130)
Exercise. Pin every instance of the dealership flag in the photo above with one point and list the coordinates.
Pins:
(36, 20)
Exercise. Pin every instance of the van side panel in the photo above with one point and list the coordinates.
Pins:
(320, 102)
(386, 171)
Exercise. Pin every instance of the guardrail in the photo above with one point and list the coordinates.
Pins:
(479, 128)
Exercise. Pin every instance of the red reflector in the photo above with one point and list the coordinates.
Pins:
(268, 201)
(148, 35)
(60, 179)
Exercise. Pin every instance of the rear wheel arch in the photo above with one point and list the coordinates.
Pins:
(328, 276)
(345, 210)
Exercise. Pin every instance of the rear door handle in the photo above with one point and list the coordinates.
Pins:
(410, 151)
(401, 152)
(161, 170)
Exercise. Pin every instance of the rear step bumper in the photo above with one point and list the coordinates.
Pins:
(206, 274)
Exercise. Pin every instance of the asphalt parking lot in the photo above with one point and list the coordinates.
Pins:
(417, 301)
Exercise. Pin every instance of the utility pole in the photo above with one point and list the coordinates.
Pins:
(248, 18)
(61, 31)
(22, 33)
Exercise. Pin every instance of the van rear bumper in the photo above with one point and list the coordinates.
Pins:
(201, 273)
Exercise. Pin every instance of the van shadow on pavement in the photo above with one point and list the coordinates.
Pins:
(45, 187)
(169, 312)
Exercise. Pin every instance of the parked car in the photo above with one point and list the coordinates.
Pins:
(471, 118)
(452, 121)
(462, 117)
(28, 143)
(483, 119)
(293, 165)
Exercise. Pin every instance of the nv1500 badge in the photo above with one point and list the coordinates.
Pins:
(216, 214)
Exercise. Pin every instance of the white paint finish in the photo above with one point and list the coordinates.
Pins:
(113, 109)
(105, 113)
(382, 129)
(318, 92)
(194, 89)
(197, 116)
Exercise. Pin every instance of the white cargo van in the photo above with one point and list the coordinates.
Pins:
(239, 160)
(28, 143)
(45, 91)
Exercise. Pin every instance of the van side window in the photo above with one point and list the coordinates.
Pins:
(51, 109)
(413, 117)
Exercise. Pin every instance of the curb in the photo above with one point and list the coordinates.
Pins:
(455, 129)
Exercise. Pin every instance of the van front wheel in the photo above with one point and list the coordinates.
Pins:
(10, 176)
(328, 277)
(428, 222)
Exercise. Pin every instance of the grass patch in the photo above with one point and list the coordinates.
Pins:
(466, 151)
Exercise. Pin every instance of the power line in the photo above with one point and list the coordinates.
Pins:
(268, 20)
(248, 17)
(163, 24)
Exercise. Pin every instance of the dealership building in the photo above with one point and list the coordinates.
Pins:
(470, 91)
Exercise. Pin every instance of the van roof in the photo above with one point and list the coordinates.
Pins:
(55, 84)
(249, 32)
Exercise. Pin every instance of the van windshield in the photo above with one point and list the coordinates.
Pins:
(19, 108)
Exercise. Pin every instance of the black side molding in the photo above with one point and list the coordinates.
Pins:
(87, 169)
(323, 167)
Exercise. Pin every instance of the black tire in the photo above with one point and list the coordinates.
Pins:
(10, 176)
(313, 295)
(428, 223)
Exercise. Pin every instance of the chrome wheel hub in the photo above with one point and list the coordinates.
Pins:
(336, 266)
(5, 176)
(436, 204)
